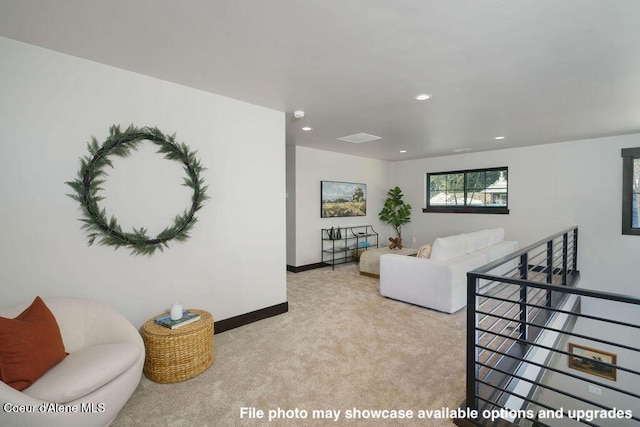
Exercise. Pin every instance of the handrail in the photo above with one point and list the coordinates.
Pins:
(611, 296)
(522, 310)
(519, 252)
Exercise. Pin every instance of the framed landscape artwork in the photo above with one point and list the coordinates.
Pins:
(342, 199)
(592, 361)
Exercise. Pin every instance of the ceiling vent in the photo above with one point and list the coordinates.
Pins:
(359, 138)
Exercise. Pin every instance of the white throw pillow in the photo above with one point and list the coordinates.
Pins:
(449, 247)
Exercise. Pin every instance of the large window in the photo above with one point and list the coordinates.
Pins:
(468, 191)
(630, 190)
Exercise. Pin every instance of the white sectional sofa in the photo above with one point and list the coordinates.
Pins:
(440, 281)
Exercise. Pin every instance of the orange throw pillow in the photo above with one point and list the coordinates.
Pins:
(31, 345)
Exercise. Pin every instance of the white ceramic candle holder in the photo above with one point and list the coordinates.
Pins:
(176, 311)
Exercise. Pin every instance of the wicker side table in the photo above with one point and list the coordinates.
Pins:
(175, 355)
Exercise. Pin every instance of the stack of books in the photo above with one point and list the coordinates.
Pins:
(187, 317)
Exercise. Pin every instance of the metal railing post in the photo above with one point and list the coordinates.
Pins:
(549, 270)
(472, 341)
(524, 270)
(565, 257)
(575, 249)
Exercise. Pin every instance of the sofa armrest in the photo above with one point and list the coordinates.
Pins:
(440, 285)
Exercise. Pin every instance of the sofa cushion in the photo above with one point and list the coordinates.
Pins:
(83, 372)
(477, 240)
(31, 345)
(499, 250)
(496, 235)
(449, 247)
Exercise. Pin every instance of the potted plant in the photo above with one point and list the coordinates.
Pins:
(397, 213)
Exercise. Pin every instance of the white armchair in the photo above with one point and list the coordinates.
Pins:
(92, 384)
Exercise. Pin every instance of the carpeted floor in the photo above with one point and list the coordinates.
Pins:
(341, 347)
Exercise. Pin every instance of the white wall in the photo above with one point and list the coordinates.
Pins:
(50, 106)
(291, 205)
(313, 166)
(550, 187)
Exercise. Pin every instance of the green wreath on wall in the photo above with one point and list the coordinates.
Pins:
(91, 176)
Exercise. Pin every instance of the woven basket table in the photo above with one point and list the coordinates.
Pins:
(174, 355)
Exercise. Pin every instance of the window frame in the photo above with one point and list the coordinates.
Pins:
(628, 157)
(503, 210)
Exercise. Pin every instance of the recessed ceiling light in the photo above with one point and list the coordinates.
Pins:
(423, 97)
(499, 137)
(461, 150)
(307, 128)
(403, 151)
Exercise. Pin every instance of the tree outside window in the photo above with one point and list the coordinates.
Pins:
(468, 191)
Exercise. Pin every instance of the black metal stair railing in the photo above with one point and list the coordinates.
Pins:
(528, 326)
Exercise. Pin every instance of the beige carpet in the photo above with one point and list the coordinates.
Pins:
(341, 346)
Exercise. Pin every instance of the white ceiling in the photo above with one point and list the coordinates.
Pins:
(534, 71)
